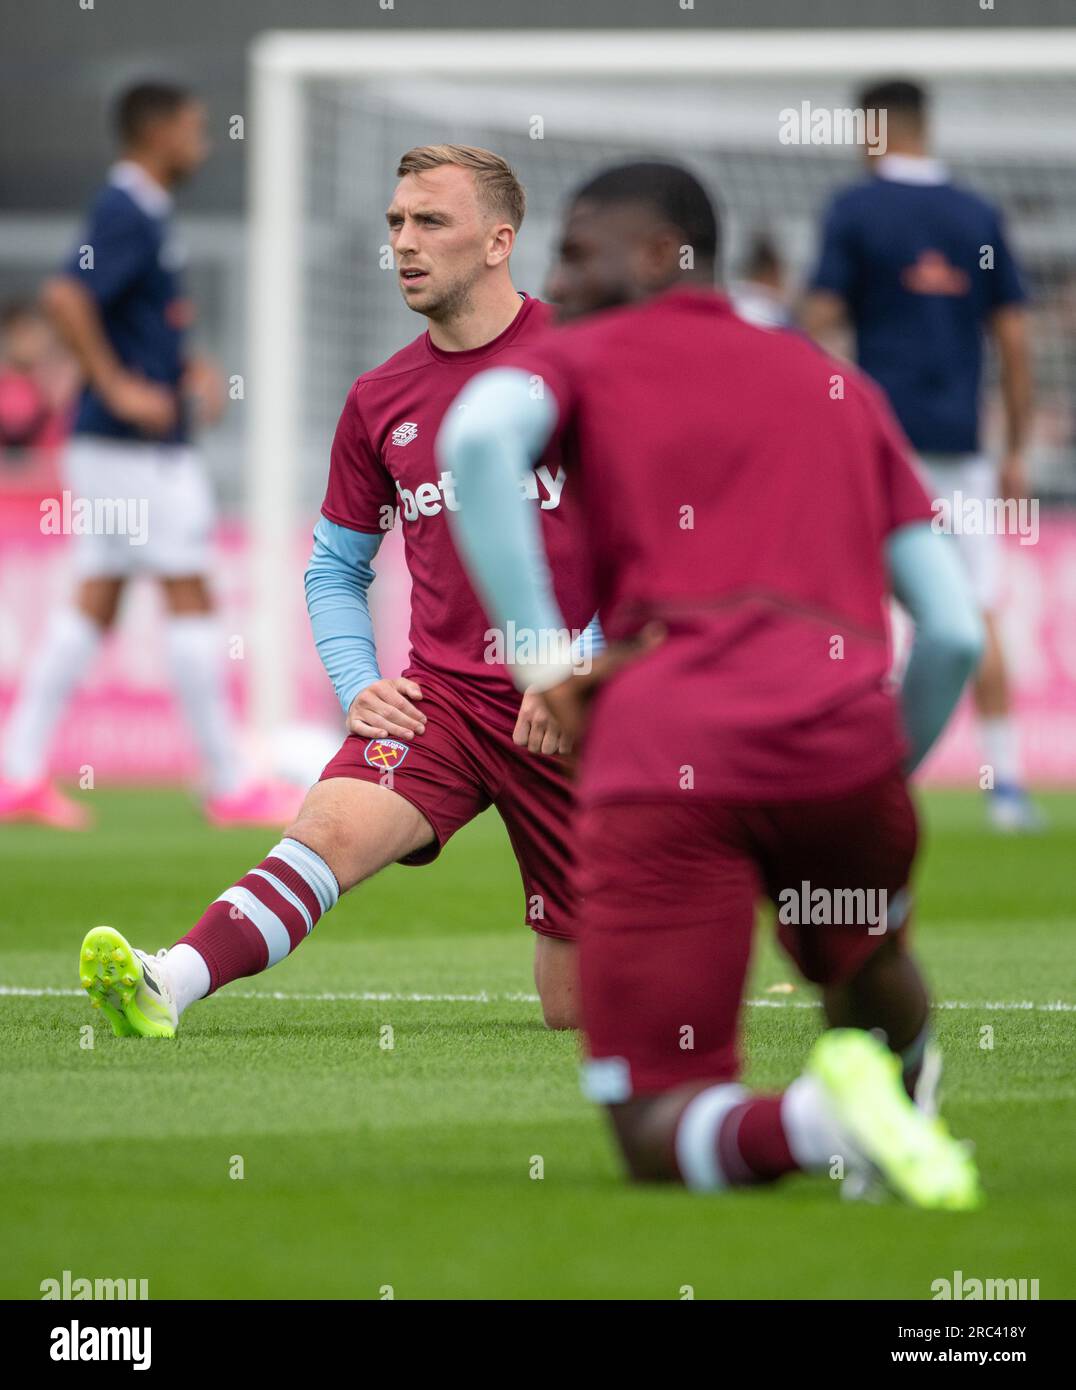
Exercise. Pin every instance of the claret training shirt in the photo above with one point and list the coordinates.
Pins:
(383, 466)
(737, 485)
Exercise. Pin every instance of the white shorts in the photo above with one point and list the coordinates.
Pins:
(973, 476)
(136, 508)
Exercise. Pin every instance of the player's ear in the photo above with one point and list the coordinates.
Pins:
(657, 258)
(502, 240)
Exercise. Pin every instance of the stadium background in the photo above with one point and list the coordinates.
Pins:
(411, 1168)
(128, 728)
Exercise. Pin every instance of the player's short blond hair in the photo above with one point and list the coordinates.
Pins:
(495, 179)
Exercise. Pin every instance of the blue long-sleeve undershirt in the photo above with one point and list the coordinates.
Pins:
(337, 579)
(928, 579)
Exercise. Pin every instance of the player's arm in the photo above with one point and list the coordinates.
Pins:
(203, 384)
(337, 581)
(824, 317)
(490, 445)
(1011, 334)
(75, 314)
(114, 254)
(357, 511)
(928, 579)
(824, 314)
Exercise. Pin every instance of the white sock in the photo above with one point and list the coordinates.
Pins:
(1001, 749)
(187, 974)
(696, 1136)
(196, 657)
(59, 665)
(814, 1136)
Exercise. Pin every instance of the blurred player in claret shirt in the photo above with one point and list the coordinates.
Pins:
(119, 307)
(746, 528)
(921, 270)
(430, 750)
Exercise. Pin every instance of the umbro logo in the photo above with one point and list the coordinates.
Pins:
(403, 434)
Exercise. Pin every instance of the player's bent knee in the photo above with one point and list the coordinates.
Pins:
(322, 834)
(559, 1013)
(358, 828)
(555, 973)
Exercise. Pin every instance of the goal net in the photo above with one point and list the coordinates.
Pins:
(333, 113)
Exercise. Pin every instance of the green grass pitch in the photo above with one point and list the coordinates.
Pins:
(413, 1168)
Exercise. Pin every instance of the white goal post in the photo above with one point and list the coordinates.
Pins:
(459, 67)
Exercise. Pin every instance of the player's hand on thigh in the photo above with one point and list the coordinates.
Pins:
(537, 730)
(384, 710)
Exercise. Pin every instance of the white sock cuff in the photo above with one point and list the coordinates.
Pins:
(696, 1137)
(812, 1132)
(188, 974)
(311, 868)
(1001, 747)
(73, 625)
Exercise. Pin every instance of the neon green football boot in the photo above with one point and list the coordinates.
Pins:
(913, 1153)
(127, 986)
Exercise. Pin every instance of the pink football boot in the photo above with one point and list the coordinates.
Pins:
(259, 803)
(41, 803)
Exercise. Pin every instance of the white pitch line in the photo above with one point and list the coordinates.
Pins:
(513, 997)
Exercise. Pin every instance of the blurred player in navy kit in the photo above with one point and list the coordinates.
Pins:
(920, 269)
(119, 306)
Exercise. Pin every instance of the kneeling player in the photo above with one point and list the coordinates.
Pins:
(747, 522)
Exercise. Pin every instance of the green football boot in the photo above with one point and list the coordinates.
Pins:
(127, 985)
(913, 1153)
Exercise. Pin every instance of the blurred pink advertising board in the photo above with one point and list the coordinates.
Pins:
(124, 723)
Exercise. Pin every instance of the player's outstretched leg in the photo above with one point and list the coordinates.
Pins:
(346, 831)
(847, 1114)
